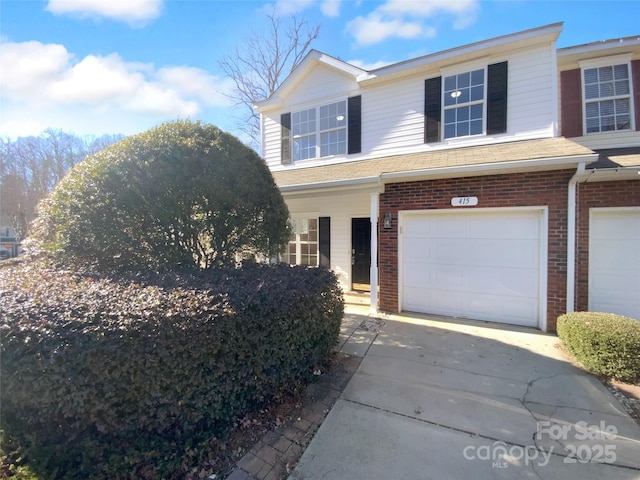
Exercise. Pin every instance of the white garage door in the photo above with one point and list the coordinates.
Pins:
(483, 265)
(614, 261)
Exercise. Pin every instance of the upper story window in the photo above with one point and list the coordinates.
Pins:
(323, 131)
(320, 132)
(607, 98)
(464, 104)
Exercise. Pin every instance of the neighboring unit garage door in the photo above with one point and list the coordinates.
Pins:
(614, 261)
(482, 264)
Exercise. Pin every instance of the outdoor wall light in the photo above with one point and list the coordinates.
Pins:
(387, 220)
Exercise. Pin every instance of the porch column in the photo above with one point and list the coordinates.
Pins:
(373, 308)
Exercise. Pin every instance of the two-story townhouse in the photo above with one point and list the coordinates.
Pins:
(440, 184)
(600, 109)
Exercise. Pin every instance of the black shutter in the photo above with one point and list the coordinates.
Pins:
(324, 241)
(497, 98)
(285, 152)
(432, 109)
(354, 114)
(635, 85)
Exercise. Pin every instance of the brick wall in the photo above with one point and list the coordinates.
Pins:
(597, 195)
(513, 190)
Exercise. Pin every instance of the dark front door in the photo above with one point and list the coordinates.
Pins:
(360, 253)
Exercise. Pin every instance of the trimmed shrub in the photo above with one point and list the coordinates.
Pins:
(605, 343)
(106, 377)
(180, 194)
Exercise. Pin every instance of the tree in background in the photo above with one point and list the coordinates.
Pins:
(263, 62)
(30, 167)
(180, 194)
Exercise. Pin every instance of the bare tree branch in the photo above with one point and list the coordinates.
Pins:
(259, 67)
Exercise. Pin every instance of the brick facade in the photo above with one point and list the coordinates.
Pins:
(512, 190)
(597, 195)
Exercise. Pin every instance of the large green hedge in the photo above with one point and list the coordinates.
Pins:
(605, 343)
(182, 193)
(104, 376)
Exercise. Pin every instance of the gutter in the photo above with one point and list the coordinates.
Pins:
(488, 168)
(333, 184)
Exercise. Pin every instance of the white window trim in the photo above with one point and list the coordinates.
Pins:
(443, 108)
(318, 147)
(606, 62)
(296, 219)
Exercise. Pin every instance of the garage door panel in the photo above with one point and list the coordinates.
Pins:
(482, 265)
(614, 261)
(502, 252)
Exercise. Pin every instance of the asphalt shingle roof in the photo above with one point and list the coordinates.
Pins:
(468, 156)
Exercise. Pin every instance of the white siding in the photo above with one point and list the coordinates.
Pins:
(341, 208)
(393, 112)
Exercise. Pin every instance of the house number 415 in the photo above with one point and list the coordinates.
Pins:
(464, 201)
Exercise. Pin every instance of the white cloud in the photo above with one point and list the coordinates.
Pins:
(290, 7)
(135, 12)
(407, 19)
(330, 8)
(45, 81)
(374, 29)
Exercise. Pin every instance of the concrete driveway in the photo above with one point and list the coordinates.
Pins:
(441, 399)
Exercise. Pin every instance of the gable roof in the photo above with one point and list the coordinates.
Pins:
(504, 43)
(543, 153)
(308, 63)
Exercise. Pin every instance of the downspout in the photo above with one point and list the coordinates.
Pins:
(571, 238)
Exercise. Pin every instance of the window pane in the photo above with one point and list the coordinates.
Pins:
(622, 105)
(477, 93)
(593, 125)
(591, 91)
(463, 129)
(465, 95)
(592, 109)
(622, 87)
(449, 131)
(450, 115)
(623, 122)
(591, 76)
(463, 113)
(477, 77)
(450, 98)
(607, 124)
(605, 74)
(606, 107)
(464, 80)
(450, 83)
(606, 89)
(621, 72)
(475, 127)
(476, 112)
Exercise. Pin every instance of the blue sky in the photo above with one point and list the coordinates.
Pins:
(122, 66)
